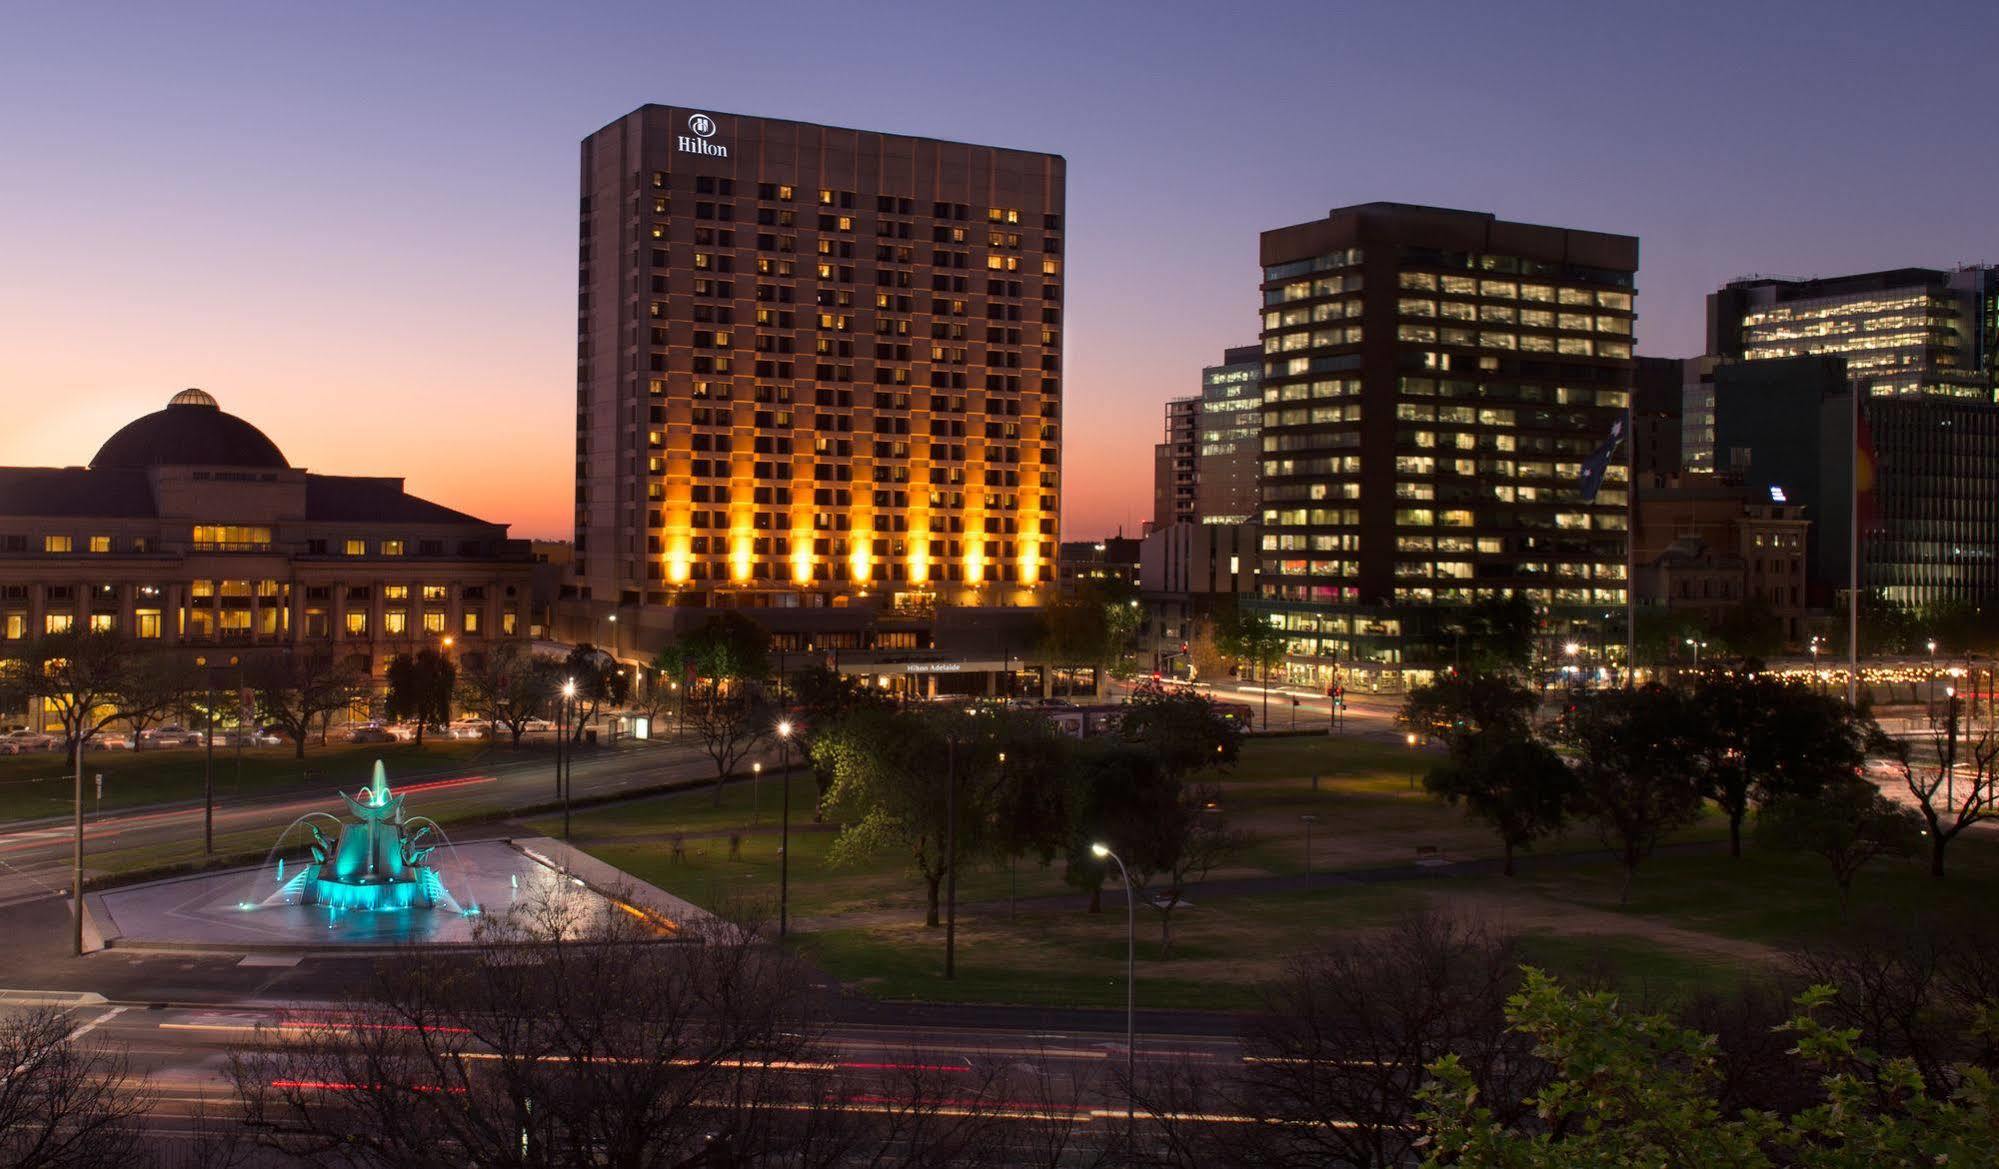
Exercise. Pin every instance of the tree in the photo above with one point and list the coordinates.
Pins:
(1635, 1089)
(296, 689)
(891, 771)
(1093, 628)
(727, 647)
(821, 697)
(1958, 790)
(731, 724)
(1751, 630)
(727, 660)
(1463, 703)
(1518, 785)
(1637, 779)
(1758, 738)
(1849, 823)
(85, 677)
(511, 685)
(556, 1042)
(1182, 727)
(1111, 783)
(420, 688)
(65, 1104)
(1333, 1060)
(1028, 797)
(156, 685)
(1258, 642)
(599, 679)
(1169, 844)
(1204, 651)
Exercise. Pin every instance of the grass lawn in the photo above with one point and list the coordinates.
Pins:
(33, 786)
(1696, 920)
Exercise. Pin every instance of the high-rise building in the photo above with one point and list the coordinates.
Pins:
(1433, 380)
(1176, 465)
(814, 364)
(1231, 438)
(1904, 331)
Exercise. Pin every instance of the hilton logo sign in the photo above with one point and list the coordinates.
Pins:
(701, 127)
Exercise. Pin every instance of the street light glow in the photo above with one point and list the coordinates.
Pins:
(1410, 738)
(1099, 851)
(784, 729)
(569, 688)
(1571, 648)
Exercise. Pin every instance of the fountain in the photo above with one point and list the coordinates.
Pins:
(378, 862)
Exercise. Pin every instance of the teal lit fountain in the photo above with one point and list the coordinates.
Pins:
(379, 861)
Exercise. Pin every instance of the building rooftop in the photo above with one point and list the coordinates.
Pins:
(192, 431)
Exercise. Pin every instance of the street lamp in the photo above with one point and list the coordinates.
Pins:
(1410, 739)
(1698, 646)
(784, 836)
(1932, 643)
(562, 751)
(1817, 682)
(1103, 852)
(1309, 820)
(756, 791)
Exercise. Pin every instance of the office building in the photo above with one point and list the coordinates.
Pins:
(1705, 547)
(1904, 331)
(189, 530)
(816, 367)
(1176, 465)
(1230, 458)
(1433, 380)
(1658, 422)
(1784, 428)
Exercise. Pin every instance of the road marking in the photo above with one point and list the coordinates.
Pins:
(94, 1024)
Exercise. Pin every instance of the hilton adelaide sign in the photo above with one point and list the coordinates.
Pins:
(700, 128)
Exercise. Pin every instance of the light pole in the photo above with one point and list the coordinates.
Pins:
(950, 856)
(1932, 643)
(1570, 650)
(1309, 820)
(562, 752)
(784, 836)
(756, 790)
(1817, 681)
(1698, 646)
(1412, 740)
(1101, 852)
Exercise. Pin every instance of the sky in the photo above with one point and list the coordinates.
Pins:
(355, 224)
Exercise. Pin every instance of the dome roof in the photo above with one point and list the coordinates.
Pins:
(191, 431)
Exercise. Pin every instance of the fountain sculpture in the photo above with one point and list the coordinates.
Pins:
(380, 859)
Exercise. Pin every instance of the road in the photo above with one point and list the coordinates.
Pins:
(35, 857)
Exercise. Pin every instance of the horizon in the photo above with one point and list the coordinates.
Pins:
(373, 261)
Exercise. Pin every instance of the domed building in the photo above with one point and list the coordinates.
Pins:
(190, 528)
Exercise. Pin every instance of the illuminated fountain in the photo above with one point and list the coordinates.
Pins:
(379, 861)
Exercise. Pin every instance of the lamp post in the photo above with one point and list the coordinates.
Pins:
(784, 834)
(1817, 681)
(1698, 646)
(1309, 820)
(562, 760)
(756, 791)
(1412, 740)
(950, 856)
(1932, 644)
(1102, 852)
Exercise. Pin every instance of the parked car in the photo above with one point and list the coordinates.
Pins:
(169, 735)
(371, 733)
(248, 737)
(110, 741)
(22, 741)
(537, 726)
(469, 728)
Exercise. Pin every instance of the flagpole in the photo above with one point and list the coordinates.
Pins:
(1630, 550)
(1853, 555)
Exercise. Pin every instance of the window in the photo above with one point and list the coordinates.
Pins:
(357, 623)
(57, 622)
(508, 624)
(470, 624)
(100, 544)
(57, 543)
(392, 547)
(395, 622)
(103, 622)
(433, 621)
(231, 538)
(433, 592)
(354, 548)
(16, 626)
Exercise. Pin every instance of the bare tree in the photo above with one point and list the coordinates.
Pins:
(557, 1042)
(1332, 1065)
(510, 686)
(65, 1104)
(1177, 846)
(1958, 790)
(731, 720)
(82, 676)
(295, 690)
(156, 685)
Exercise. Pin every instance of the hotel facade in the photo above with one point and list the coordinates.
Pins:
(817, 368)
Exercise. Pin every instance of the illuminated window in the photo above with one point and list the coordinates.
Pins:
(16, 626)
(470, 624)
(100, 544)
(354, 548)
(357, 622)
(57, 622)
(231, 537)
(57, 543)
(508, 624)
(147, 622)
(392, 547)
(395, 622)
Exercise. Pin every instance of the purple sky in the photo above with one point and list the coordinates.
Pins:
(356, 226)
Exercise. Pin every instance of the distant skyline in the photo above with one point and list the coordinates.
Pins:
(355, 225)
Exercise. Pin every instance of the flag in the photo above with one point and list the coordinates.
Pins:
(1599, 460)
(1864, 477)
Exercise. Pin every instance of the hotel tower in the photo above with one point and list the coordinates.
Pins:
(814, 365)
